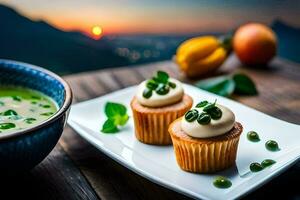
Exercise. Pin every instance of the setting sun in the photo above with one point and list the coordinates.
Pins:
(97, 32)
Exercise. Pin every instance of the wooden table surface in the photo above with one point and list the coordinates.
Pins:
(77, 170)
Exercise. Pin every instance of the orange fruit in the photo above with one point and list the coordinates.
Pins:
(255, 44)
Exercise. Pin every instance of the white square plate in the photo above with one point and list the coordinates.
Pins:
(158, 164)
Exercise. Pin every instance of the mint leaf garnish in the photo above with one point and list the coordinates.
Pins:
(114, 109)
(162, 77)
(116, 116)
(109, 127)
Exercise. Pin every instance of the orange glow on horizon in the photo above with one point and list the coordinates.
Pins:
(123, 25)
(163, 17)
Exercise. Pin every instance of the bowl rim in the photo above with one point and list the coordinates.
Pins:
(64, 108)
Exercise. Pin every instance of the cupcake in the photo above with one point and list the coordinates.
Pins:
(206, 139)
(157, 103)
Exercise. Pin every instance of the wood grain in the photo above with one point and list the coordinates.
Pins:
(55, 178)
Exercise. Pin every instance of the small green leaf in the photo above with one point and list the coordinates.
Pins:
(201, 104)
(223, 85)
(35, 97)
(210, 106)
(226, 42)
(244, 85)
(151, 84)
(16, 98)
(117, 116)
(1, 103)
(4, 126)
(47, 114)
(45, 106)
(9, 113)
(29, 120)
(109, 127)
(113, 109)
(162, 77)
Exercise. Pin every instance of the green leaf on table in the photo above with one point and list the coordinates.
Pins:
(109, 127)
(223, 85)
(116, 116)
(237, 83)
(244, 85)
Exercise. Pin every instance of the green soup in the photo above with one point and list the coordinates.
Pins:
(21, 108)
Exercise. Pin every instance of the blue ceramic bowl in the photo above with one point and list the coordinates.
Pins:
(24, 149)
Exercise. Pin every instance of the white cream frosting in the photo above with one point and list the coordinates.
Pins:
(214, 128)
(156, 100)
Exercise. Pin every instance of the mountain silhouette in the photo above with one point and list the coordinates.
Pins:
(39, 43)
(289, 40)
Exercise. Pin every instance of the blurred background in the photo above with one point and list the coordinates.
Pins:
(70, 36)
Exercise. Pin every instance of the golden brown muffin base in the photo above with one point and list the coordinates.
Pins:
(151, 124)
(205, 155)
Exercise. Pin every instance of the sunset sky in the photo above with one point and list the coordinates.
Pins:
(156, 16)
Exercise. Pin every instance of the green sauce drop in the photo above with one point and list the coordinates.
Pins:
(267, 162)
(222, 182)
(272, 145)
(253, 136)
(256, 167)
